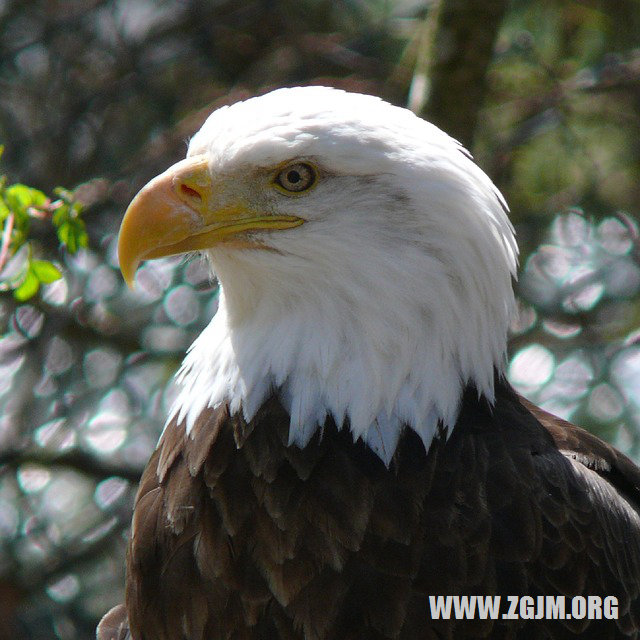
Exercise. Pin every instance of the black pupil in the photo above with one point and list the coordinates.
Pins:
(293, 176)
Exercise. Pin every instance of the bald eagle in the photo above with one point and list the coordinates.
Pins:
(345, 448)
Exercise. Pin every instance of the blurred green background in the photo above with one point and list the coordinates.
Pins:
(100, 95)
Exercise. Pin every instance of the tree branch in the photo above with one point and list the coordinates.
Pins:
(81, 461)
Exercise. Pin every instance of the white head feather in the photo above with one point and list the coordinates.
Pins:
(380, 309)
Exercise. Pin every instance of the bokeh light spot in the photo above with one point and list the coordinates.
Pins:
(571, 229)
(8, 370)
(625, 373)
(59, 356)
(562, 330)
(622, 280)
(524, 319)
(165, 339)
(584, 298)
(101, 367)
(106, 431)
(109, 492)
(614, 236)
(102, 283)
(154, 278)
(181, 305)
(573, 377)
(33, 478)
(56, 293)
(531, 367)
(65, 496)
(605, 403)
(29, 321)
(65, 589)
(104, 436)
(100, 531)
(55, 434)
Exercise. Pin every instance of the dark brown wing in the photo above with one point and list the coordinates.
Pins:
(594, 504)
(591, 452)
(237, 535)
(589, 505)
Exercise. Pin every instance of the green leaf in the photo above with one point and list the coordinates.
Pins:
(60, 215)
(64, 194)
(72, 235)
(38, 199)
(82, 235)
(19, 236)
(45, 271)
(19, 198)
(67, 236)
(28, 288)
(4, 210)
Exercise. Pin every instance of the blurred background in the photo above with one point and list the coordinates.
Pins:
(100, 95)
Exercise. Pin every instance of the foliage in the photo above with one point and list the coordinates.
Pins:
(20, 271)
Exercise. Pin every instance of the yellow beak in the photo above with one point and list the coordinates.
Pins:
(180, 211)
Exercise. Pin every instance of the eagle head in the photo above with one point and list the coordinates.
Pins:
(365, 264)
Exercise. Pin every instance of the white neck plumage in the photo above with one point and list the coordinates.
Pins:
(376, 336)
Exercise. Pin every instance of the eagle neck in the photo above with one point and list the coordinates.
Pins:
(374, 364)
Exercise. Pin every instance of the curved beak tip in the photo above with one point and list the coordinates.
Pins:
(158, 216)
(127, 258)
(128, 271)
(130, 280)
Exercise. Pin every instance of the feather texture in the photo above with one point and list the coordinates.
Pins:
(402, 268)
(274, 541)
(344, 444)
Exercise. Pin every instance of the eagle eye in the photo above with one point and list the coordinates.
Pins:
(296, 178)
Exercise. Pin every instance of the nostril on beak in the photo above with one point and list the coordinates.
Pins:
(190, 193)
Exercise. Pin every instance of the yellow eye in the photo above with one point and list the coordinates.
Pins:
(297, 177)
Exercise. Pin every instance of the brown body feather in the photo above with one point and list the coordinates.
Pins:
(237, 535)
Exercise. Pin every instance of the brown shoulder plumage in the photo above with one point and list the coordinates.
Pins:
(237, 535)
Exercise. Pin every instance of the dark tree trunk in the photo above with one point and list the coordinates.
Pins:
(465, 36)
